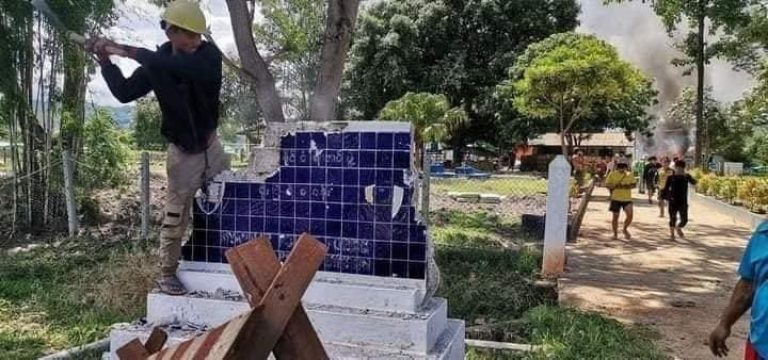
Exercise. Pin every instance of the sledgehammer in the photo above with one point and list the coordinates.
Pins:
(44, 9)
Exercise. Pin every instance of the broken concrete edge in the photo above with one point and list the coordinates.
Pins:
(76, 352)
(324, 276)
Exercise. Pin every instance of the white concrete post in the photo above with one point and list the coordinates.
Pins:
(69, 193)
(556, 227)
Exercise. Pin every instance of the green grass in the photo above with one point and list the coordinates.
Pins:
(500, 186)
(567, 334)
(54, 298)
(479, 229)
(492, 289)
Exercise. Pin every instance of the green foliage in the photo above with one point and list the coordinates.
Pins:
(572, 335)
(572, 81)
(723, 131)
(292, 32)
(757, 147)
(475, 229)
(506, 187)
(458, 48)
(753, 110)
(146, 131)
(50, 299)
(105, 155)
(430, 115)
(240, 111)
(754, 193)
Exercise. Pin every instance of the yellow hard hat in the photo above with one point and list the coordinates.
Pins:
(186, 15)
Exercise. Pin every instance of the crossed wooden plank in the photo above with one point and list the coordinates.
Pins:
(277, 322)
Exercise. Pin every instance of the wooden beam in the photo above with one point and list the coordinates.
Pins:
(252, 335)
(156, 340)
(255, 265)
(284, 295)
(133, 350)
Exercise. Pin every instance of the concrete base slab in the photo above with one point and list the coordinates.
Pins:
(354, 291)
(450, 345)
(413, 332)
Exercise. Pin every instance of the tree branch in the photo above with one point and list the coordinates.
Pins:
(253, 63)
(339, 26)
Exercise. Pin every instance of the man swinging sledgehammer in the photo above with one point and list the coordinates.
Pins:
(185, 75)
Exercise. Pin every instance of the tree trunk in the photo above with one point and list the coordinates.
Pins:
(563, 145)
(73, 96)
(253, 64)
(700, 63)
(340, 23)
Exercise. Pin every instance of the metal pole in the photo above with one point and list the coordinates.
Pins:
(144, 195)
(69, 192)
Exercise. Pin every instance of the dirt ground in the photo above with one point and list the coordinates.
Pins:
(678, 288)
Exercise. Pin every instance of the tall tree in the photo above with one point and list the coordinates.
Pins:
(705, 18)
(339, 23)
(430, 114)
(460, 48)
(292, 34)
(577, 81)
(83, 17)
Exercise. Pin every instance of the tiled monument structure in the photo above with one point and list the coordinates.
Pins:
(352, 185)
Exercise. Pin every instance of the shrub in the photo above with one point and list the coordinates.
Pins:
(728, 190)
(714, 188)
(105, 154)
(704, 184)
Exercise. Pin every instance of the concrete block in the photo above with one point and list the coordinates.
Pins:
(332, 289)
(450, 345)
(416, 333)
(413, 332)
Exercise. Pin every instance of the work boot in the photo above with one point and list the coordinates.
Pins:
(171, 285)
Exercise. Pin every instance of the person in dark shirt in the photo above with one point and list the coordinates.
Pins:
(650, 174)
(185, 74)
(676, 191)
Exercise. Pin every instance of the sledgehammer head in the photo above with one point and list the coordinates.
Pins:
(76, 38)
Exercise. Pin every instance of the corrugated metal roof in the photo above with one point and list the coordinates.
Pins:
(593, 140)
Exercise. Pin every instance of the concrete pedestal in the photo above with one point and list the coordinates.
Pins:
(360, 317)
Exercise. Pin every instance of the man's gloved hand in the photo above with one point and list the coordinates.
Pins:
(104, 47)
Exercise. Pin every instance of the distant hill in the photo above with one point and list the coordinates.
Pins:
(123, 115)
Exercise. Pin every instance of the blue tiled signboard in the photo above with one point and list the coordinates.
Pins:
(350, 189)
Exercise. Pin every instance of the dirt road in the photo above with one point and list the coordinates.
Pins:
(678, 288)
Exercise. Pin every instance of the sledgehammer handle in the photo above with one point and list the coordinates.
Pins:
(80, 39)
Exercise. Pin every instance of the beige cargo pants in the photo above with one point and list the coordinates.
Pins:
(185, 177)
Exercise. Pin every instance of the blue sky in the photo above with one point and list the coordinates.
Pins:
(632, 27)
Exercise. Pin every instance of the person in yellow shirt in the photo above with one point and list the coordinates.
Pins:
(665, 171)
(620, 182)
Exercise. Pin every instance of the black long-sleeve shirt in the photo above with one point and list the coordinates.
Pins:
(676, 188)
(187, 87)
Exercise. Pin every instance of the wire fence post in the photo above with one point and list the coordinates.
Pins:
(145, 195)
(69, 193)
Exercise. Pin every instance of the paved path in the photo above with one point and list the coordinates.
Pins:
(678, 288)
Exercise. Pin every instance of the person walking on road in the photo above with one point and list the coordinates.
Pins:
(185, 74)
(620, 182)
(750, 292)
(649, 175)
(663, 173)
(676, 190)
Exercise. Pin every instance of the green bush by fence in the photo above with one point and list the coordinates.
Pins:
(750, 192)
